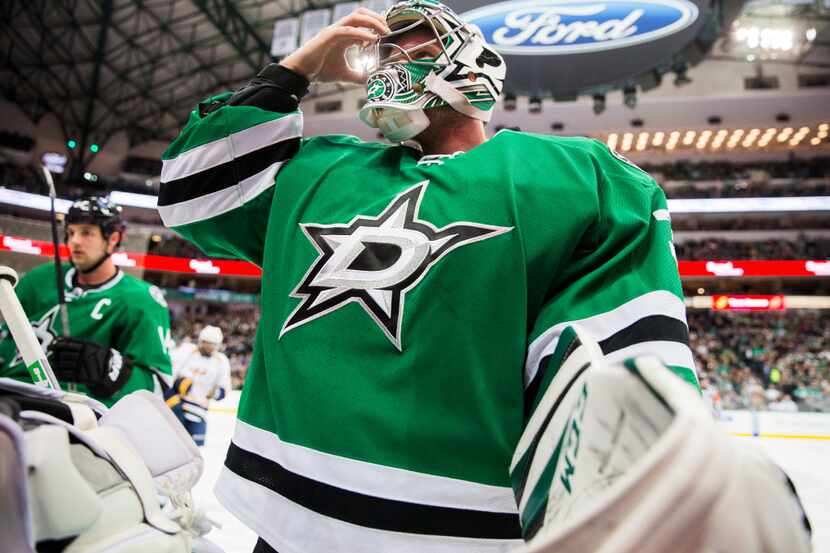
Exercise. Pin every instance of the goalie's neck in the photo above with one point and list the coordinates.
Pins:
(450, 132)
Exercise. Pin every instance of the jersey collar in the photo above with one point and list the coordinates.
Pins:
(78, 290)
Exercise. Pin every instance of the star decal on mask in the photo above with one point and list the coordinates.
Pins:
(375, 261)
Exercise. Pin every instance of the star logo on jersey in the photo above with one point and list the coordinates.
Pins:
(375, 261)
(44, 330)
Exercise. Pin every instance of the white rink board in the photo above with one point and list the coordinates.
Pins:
(805, 460)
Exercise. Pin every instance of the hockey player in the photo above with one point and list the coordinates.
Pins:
(413, 297)
(119, 325)
(203, 373)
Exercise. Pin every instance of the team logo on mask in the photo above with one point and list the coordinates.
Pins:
(375, 261)
(381, 87)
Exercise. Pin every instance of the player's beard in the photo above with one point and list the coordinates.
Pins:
(89, 261)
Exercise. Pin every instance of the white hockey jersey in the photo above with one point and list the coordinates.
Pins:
(211, 375)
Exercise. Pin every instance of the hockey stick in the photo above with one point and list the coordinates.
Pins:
(47, 176)
(24, 336)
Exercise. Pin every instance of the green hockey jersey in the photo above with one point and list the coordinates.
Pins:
(123, 313)
(410, 306)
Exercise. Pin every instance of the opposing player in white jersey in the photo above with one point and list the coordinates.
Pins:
(201, 374)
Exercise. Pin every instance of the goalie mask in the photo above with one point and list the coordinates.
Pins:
(466, 74)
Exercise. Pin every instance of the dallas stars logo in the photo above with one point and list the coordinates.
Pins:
(375, 261)
(44, 330)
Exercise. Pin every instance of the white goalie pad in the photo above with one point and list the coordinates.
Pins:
(626, 458)
(97, 488)
(156, 434)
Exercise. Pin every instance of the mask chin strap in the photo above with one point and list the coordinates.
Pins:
(454, 98)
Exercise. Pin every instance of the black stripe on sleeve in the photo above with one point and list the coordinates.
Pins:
(648, 329)
(370, 511)
(226, 175)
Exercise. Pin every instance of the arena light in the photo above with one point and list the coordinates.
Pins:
(41, 202)
(32, 201)
(657, 140)
(749, 205)
(784, 135)
(131, 199)
(612, 141)
(765, 38)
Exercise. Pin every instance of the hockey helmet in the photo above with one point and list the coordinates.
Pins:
(466, 75)
(97, 210)
(211, 334)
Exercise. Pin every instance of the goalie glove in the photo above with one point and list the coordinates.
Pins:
(626, 458)
(103, 370)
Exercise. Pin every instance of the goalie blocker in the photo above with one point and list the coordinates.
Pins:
(626, 458)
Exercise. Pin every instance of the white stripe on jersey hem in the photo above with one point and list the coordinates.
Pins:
(221, 201)
(290, 528)
(210, 155)
(603, 325)
(373, 479)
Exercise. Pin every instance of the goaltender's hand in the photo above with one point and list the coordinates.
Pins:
(323, 58)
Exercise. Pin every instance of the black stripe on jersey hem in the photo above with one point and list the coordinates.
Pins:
(226, 175)
(648, 329)
(369, 511)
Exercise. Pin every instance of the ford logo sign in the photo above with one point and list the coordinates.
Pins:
(533, 27)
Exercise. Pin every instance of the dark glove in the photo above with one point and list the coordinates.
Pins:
(103, 370)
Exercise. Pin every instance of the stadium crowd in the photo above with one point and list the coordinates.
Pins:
(793, 168)
(776, 361)
(719, 248)
(764, 361)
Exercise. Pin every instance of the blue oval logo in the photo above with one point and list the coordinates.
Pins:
(533, 27)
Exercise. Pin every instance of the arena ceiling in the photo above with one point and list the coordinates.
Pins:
(104, 66)
(134, 65)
